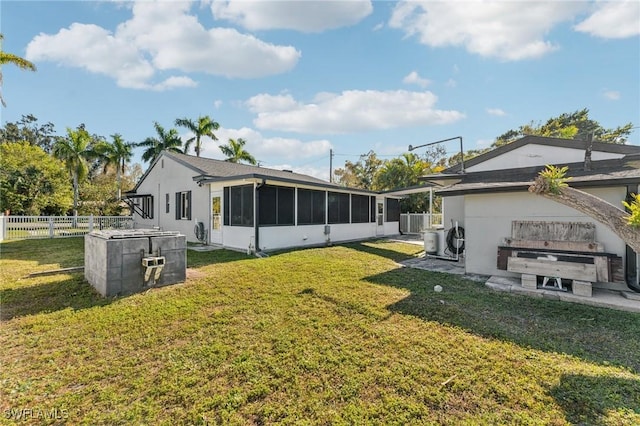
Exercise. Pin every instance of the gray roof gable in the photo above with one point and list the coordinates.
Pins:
(545, 141)
(210, 170)
(612, 172)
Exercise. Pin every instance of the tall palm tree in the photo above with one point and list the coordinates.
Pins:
(10, 58)
(117, 153)
(169, 141)
(236, 153)
(75, 150)
(203, 127)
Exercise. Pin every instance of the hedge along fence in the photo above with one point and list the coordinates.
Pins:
(36, 227)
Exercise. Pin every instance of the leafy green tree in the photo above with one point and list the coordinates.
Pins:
(361, 174)
(236, 153)
(116, 155)
(31, 181)
(97, 193)
(166, 140)
(28, 129)
(76, 150)
(575, 125)
(406, 171)
(10, 58)
(204, 126)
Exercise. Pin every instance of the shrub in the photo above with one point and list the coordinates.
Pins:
(634, 208)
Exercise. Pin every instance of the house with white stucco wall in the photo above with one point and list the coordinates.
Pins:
(252, 208)
(491, 193)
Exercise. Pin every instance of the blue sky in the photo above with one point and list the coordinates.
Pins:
(298, 78)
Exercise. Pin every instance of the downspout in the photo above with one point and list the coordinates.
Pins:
(256, 215)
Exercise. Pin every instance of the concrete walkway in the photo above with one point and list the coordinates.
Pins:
(621, 300)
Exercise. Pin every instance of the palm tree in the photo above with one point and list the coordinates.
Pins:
(169, 141)
(236, 153)
(10, 58)
(75, 150)
(203, 127)
(117, 153)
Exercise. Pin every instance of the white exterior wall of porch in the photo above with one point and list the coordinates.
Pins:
(488, 217)
(277, 237)
(281, 237)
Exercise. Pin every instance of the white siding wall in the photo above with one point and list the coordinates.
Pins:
(276, 237)
(169, 177)
(488, 220)
(538, 155)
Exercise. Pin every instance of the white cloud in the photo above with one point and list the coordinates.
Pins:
(217, 104)
(349, 111)
(496, 111)
(612, 95)
(619, 19)
(267, 148)
(305, 16)
(378, 26)
(505, 30)
(173, 82)
(414, 78)
(451, 83)
(161, 36)
(265, 102)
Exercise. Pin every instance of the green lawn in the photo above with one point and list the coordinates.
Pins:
(338, 335)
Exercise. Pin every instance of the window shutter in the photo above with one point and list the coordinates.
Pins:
(178, 207)
(189, 205)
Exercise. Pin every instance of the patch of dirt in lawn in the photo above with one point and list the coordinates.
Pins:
(194, 274)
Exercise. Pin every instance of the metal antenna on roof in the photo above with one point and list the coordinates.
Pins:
(331, 165)
(587, 152)
(411, 148)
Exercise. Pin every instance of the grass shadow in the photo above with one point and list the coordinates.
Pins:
(600, 335)
(388, 252)
(66, 252)
(594, 400)
(196, 259)
(56, 294)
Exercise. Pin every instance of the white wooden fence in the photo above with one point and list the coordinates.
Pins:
(34, 227)
(414, 223)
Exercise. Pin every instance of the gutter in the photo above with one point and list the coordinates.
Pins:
(204, 179)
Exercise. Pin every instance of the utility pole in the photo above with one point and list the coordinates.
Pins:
(331, 165)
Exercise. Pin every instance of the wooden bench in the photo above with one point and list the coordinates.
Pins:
(558, 250)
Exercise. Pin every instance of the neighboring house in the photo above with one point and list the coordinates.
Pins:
(254, 208)
(492, 192)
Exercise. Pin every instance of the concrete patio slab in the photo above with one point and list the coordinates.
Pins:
(613, 299)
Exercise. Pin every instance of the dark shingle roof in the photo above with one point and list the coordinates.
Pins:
(620, 171)
(210, 170)
(541, 140)
(208, 167)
